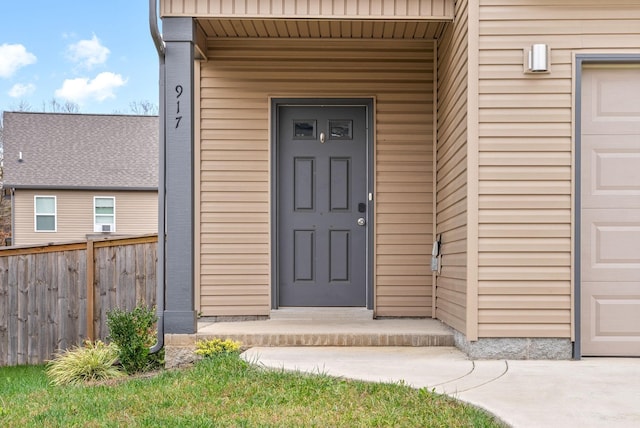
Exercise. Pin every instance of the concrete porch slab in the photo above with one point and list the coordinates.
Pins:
(331, 332)
(317, 330)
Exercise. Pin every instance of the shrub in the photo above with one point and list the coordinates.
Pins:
(92, 362)
(213, 347)
(134, 333)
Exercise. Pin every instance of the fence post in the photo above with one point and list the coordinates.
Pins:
(90, 290)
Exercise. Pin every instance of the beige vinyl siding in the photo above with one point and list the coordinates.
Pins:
(526, 123)
(136, 213)
(325, 9)
(451, 198)
(236, 84)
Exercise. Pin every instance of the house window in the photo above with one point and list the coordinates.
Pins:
(104, 214)
(45, 213)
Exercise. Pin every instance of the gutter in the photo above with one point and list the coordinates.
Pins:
(88, 188)
(160, 47)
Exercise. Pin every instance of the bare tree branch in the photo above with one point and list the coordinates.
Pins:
(144, 107)
(23, 106)
(56, 106)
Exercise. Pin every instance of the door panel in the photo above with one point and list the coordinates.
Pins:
(612, 315)
(613, 250)
(610, 211)
(303, 184)
(304, 245)
(321, 186)
(611, 171)
(610, 101)
(339, 253)
(340, 184)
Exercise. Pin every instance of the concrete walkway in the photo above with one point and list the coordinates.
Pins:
(595, 392)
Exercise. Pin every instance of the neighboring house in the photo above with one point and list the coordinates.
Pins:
(73, 176)
(325, 146)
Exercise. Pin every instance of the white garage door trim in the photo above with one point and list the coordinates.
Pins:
(581, 61)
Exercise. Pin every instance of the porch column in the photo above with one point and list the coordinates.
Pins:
(179, 311)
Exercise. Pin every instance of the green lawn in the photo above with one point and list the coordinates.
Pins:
(226, 391)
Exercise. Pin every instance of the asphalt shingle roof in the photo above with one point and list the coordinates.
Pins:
(80, 151)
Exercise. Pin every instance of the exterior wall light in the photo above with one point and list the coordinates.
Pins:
(538, 59)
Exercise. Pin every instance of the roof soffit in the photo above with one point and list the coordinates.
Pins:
(302, 19)
(417, 10)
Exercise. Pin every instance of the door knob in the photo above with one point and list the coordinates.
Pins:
(361, 221)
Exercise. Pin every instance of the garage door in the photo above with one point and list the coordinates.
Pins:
(610, 207)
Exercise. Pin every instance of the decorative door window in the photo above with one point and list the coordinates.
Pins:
(340, 130)
(304, 129)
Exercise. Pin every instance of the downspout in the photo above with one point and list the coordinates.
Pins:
(13, 216)
(160, 47)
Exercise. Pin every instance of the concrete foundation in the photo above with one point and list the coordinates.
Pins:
(179, 350)
(514, 348)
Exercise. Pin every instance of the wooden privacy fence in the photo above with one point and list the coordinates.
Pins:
(55, 296)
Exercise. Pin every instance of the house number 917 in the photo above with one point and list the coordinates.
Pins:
(179, 90)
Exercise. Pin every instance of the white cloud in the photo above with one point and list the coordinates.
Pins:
(14, 57)
(19, 90)
(82, 89)
(88, 53)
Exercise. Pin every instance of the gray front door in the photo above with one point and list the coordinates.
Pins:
(322, 205)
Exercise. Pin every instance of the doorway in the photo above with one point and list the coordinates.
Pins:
(323, 204)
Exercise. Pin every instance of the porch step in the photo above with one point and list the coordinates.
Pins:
(335, 332)
(322, 314)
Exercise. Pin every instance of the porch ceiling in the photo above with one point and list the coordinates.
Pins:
(314, 28)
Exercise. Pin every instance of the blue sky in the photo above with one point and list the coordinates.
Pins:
(96, 54)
